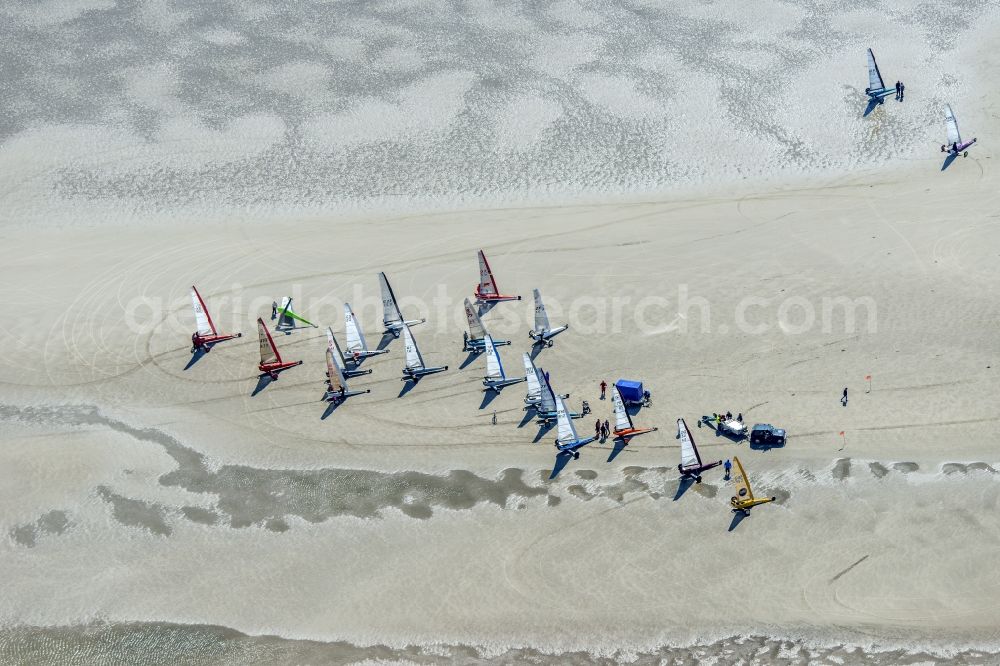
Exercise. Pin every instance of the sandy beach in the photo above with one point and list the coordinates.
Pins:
(412, 520)
(197, 514)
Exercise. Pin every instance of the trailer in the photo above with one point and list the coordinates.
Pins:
(731, 428)
(633, 393)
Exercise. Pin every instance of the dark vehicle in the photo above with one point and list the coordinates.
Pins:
(766, 435)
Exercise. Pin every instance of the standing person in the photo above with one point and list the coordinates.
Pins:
(899, 87)
(274, 310)
(843, 400)
(465, 341)
(604, 388)
(597, 428)
(902, 91)
(607, 428)
(728, 467)
(494, 417)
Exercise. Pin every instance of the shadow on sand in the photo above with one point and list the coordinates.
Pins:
(468, 360)
(562, 459)
(331, 407)
(872, 105)
(408, 386)
(489, 395)
(763, 447)
(262, 383)
(195, 357)
(948, 160)
(633, 408)
(618, 446)
(542, 429)
(682, 486)
(386, 339)
(738, 517)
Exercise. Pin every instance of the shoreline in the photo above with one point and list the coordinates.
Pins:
(221, 644)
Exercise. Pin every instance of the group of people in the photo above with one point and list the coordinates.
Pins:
(602, 429)
(728, 416)
(900, 90)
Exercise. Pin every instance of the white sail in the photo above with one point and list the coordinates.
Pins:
(268, 353)
(949, 120)
(487, 285)
(874, 75)
(355, 337)
(414, 361)
(494, 367)
(476, 329)
(201, 317)
(284, 318)
(689, 453)
(548, 398)
(390, 309)
(541, 318)
(567, 433)
(335, 372)
(531, 377)
(622, 419)
(334, 346)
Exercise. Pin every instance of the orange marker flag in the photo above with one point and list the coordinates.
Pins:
(844, 436)
(868, 378)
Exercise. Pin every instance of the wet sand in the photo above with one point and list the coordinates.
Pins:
(160, 508)
(142, 491)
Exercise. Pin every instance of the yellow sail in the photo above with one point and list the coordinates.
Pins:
(742, 483)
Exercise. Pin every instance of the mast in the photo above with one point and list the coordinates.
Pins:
(390, 308)
(334, 372)
(531, 377)
(875, 81)
(494, 367)
(623, 421)
(268, 350)
(487, 283)
(355, 337)
(742, 483)
(567, 432)
(476, 329)
(541, 317)
(548, 397)
(689, 452)
(202, 318)
(414, 361)
(952, 124)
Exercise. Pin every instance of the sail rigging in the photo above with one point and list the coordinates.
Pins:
(268, 351)
(201, 316)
